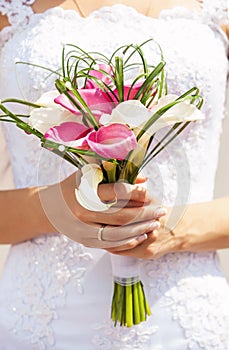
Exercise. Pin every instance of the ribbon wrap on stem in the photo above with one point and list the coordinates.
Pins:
(125, 269)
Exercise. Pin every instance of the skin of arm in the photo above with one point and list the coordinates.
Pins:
(203, 227)
(31, 212)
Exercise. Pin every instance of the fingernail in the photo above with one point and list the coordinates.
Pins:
(142, 238)
(154, 225)
(160, 212)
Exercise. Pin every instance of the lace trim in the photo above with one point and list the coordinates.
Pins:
(20, 11)
(17, 11)
(216, 11)
(109, 337)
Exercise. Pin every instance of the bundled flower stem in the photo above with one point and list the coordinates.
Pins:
(129, 304)
(108, 110)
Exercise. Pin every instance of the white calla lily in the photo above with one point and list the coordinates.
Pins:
(130, 112)
(86, 194)
(135, 114)
(47, 99)
(181, 112)
(49, 114)
(43, 119)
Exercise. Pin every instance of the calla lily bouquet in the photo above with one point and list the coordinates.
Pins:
(102, 117)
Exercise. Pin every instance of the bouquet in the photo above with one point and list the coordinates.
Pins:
(102, 117)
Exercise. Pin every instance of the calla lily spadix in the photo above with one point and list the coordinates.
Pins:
(86, 194)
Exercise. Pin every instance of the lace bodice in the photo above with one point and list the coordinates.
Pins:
(194, 48)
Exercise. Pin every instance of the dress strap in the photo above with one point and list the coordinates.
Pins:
(17, 11)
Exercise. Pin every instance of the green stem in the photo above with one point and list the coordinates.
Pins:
(22, 102)
(136, 311)
(129, 305)
(141, 302)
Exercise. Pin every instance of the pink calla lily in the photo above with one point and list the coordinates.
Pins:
(112, 141)
(96, 99)
(69, 134)
(102, 77)
(129, 94)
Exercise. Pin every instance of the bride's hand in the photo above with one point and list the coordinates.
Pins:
(157, 244)
(125, 223)
(198, 227)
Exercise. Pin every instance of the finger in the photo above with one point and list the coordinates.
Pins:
(122, 234)
(144, 250)
(124, 192)
(126, 216)
(129, 204)
(141, 180)
(133, 243)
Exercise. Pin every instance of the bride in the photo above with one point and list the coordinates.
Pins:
(56, 287)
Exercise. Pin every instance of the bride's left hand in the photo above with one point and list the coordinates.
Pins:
(201, 227)
(156, 245)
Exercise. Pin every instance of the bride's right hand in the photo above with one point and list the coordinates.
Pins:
(126, 223)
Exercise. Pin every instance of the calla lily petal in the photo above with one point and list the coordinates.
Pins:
(181, 112)
(99, 75)
(47, 99)
(131, 112)
(86, 194)
(43, 119)
(112, 141)
(95, 98)
(69, 134)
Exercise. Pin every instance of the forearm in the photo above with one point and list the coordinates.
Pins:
(204, 226)
(22, 215)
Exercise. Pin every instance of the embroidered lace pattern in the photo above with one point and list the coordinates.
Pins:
(175, 281)
(17, 11)
(190, 301)
(39, 293)
(216, 11)
(109, 338)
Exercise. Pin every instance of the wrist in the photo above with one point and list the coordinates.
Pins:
(202, 227)
(178, 224)
(41, 201)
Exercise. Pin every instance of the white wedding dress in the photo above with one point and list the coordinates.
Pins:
(55, 293)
